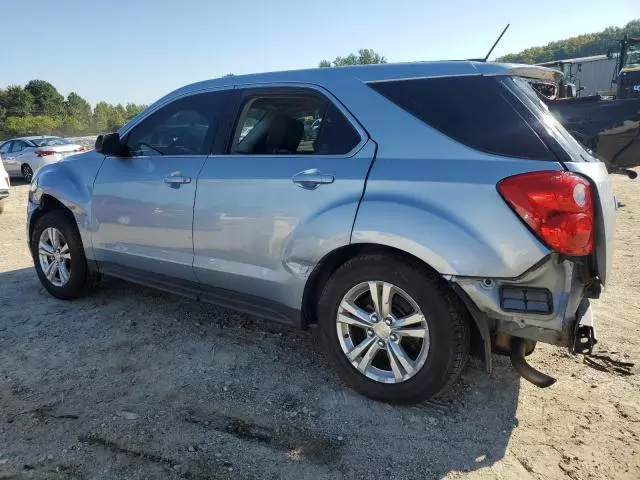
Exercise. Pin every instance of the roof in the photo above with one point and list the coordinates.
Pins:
(371, 73)
(34, 137)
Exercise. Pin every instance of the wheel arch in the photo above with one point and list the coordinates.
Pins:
(334, 259)
(58, 186)
(49, 203)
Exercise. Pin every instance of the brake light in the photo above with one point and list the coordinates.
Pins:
(80, 149)
(557, 206)
(44, 153)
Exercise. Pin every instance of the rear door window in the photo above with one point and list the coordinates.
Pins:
(292, 124)
(474, 110)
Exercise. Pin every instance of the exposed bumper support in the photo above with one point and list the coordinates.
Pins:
(555, 326)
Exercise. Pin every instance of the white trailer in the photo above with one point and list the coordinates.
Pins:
(594, 73)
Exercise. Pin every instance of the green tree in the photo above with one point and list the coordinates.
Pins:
(47, 100)
(581, 46)
(101, 117)
(32, 125)
(78, 108)
(364, 56)
(117, 117)
(17, 102)
(132, 110)
(39, 109)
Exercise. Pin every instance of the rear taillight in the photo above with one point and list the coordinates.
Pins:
(558, 206)
(80, 149)
(44, 153)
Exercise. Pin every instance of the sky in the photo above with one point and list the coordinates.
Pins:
(138, 50)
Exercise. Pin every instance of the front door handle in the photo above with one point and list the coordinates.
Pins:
(176, 179)
(310, 179)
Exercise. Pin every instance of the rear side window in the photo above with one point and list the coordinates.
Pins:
(474, 110)
(292, 124)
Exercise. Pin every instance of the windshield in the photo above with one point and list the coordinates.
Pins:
(50, 141)
(528, 96)
(633, 56)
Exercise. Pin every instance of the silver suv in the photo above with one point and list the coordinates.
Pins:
(437, 207)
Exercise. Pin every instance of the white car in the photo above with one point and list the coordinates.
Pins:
(25, 155)
(4, 185)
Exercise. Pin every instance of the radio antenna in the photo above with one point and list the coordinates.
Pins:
(494, 45)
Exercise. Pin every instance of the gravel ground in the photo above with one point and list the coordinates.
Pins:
(133, 383)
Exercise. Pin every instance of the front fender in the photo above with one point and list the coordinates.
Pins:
(71, 183)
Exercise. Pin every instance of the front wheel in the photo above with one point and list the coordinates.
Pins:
(394, 331)
(58, 255)
(27, 172)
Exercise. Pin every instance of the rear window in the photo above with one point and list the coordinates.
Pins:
(546, 123)
(49, 141)
(474, 110)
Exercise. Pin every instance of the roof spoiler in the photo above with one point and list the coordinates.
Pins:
(533, 72)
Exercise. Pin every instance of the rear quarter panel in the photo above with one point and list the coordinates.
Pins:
(449, 213)
(436, 198)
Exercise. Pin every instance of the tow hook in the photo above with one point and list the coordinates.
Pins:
(526, 371)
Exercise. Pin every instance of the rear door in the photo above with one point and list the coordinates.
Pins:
(143, 203)
(283, 190)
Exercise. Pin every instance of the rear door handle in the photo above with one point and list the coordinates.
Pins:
(310, 179)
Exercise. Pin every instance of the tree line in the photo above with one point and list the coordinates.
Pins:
(39, 109)
(581, 46)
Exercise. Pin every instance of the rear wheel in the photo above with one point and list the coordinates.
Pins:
(58, 255)
(27, 172)
(394, 332)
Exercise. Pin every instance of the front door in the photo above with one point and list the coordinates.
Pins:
(7, 159)
(143, 203)
(13, 158)
(284, 192)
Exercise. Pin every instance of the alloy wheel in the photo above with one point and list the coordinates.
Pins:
(55, 256)
(382, 331)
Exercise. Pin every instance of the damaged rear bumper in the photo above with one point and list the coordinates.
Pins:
(546, 304)
(540, 305)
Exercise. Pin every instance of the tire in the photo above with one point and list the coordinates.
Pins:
(2, 205)
(447, 326)
(75, 266)
(27, 172)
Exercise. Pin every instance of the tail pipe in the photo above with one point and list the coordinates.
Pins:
(525, 370)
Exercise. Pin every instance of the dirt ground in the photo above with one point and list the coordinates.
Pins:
(134, 383)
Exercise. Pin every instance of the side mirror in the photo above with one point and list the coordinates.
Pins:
(110, 144)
